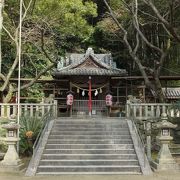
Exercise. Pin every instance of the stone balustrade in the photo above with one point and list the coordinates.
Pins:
(144, 110)
(32, 109)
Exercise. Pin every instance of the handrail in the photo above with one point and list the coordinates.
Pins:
(48, 116)
(40, 142)
(141, 143)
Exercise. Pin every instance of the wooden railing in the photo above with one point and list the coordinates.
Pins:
(140, 110)
(38, 109)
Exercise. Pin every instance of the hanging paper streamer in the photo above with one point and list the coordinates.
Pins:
(96, 92)
(100, 90)
(83, 93)
(77, 90)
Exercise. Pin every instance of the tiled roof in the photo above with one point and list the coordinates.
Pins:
(106, 66)
(91, 71)
(170, 93)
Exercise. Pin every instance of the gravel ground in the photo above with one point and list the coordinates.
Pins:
(155, 176)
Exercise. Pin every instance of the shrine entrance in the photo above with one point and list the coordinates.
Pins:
(89, 95)
(81, 108)
(89, 77)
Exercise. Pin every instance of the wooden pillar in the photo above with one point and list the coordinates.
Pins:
(90, 97)
(144, 93)
(117, 94)
(70, 88)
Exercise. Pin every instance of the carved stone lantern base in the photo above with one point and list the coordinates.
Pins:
(11, 161)
(165, 161)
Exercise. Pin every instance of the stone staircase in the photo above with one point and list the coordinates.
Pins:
(90, 146)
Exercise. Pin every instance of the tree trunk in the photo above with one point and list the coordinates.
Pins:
(158, 90)
(8, 96)
(1, 23)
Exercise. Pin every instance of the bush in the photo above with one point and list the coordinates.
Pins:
(30, 128)
(3, 145)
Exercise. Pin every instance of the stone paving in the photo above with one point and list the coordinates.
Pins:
(156, 176)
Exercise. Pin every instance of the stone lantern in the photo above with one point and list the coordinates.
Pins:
(165, 161)
(11, 161)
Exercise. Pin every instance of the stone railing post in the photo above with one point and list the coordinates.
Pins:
(55, 108)
(128, 109)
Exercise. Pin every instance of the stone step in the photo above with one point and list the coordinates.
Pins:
(92, 120)
(88, 129)
(87, 173)
(89, 156)
(89, 146)
(89, 141)
(89, 151)
(120, 132)
(93, 125)
(113, 168)
(89, 137)
(84, 162)
(124, 125)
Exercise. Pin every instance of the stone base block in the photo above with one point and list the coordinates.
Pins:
(12, 168)
(165, 166)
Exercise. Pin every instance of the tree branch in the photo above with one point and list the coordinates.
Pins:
(26, 9)
(11, 70)
(132, 54)
(135, 10)
(36, 78)
(119, 25)
(136, 25)
(163, 20)
(15, 39)
(2, 77)
(9, 34)
(43, 49)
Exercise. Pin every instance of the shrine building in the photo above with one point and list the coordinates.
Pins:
(89, 78)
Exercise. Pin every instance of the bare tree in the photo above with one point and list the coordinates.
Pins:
(133, 49)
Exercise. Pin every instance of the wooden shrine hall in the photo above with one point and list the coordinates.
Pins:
(89, 78)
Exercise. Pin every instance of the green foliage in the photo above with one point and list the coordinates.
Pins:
(50, 28)
(66, 18)
(29, 125)
(34, 94)
(3, 145)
